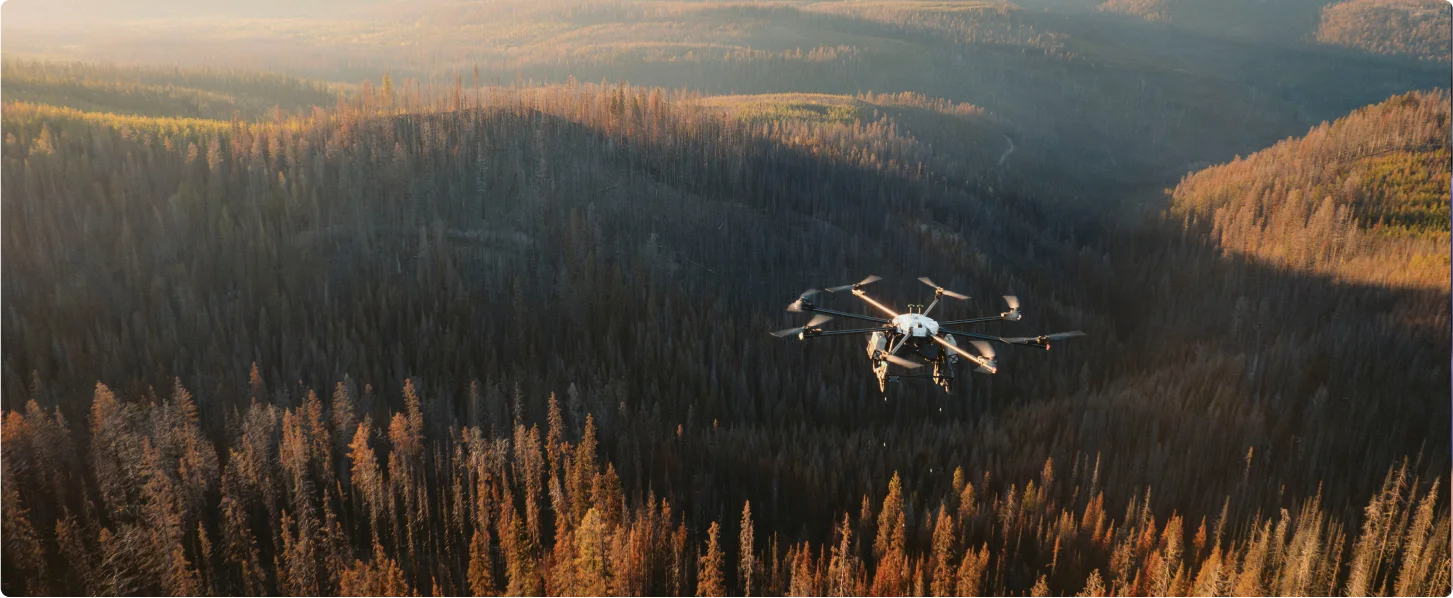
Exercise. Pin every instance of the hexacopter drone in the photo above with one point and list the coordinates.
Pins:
(915, 334)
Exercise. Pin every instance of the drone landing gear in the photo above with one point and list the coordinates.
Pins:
(880, 369)
(943, 373)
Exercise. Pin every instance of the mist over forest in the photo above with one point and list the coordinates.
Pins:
(473, 298)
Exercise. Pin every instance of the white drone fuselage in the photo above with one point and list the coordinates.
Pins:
(911, 334)
(915, 325)
(915, 332)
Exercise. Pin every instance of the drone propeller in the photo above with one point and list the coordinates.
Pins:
(940, 290)
(806, 297)
(1058, 336)
(1042, 341)
(816, 321)
(901, 362)
(986, 363)
(866, 281)
(984, 348)
(1013, 314)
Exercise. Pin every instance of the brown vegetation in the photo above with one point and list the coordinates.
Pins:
(1364, 198)
(1398, 27)
(509, 341)
(463, 513)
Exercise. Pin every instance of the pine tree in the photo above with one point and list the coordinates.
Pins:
(1041, 587)
(590, 565)
(747, 545)
(709, 578)
(365, 474)
(971, 571)
(943, 557)
(1094, 586)
(481, 567)
(344, 414)
(890, 547)
(843, 568)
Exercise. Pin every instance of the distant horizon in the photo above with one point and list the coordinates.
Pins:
(91, 14)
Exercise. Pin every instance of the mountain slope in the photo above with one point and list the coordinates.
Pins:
(1111, 101)
(1394, 27)
(215, 94)
(1364, 198)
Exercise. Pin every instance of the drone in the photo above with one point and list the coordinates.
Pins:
(913, 334)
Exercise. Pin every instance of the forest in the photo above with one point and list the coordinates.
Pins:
(273, 333)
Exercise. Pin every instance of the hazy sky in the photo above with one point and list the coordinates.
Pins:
(50, 14)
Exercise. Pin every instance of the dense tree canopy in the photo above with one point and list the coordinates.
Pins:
(511, 340)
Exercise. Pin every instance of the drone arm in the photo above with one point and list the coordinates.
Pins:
(833, 312)
(929, 309)
(852, 331)
(864, 296)
(1038, 342)
(972, 320)
(984, 337)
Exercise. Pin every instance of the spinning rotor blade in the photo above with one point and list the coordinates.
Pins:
(986, 363)
(1045, 337)
(816, 321)
(866, 281)
(1013, 314)
(901, 362)
(807, 295)
(1042, 341)
(956, 349)
(940, 290)
(984, 348)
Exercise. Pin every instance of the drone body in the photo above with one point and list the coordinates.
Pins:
(912, 339)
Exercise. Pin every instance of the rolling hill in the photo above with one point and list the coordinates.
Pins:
(161, 92)
(1395, 27)
(596, 265)
(1132, 104)
(496, 323)
(1364, 198)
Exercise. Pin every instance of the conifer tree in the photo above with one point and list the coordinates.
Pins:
(747, 546)
(943, 557)
(843, 568)
(481, 567)
(709, 578)
(1094, 586)
(590, 566)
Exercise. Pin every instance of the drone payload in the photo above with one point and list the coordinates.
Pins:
(912, 334)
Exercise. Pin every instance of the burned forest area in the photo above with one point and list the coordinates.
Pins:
(473, 298)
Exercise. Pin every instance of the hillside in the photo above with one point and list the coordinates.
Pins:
(473, 297)
(896, 131)
(1282, 23)
(1401, 28)
(1364, 198)
(1132, 104)
(530, 321)
(1395, 27)
(159, 92)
